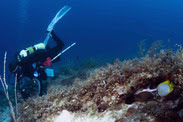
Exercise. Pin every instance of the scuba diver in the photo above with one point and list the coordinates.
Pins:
(31, 62)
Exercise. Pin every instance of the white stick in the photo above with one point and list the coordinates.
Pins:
(16, 96)
(5, 87)
(63, 52)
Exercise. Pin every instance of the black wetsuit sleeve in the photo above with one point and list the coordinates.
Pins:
(52, 52)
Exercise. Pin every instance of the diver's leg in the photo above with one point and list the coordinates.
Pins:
(41, 77)
(59, 42)
(55, 50)
(41, 89)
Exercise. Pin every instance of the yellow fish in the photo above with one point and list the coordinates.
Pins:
(26, 106)
(165, 88)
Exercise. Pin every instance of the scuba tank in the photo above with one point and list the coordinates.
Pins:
(28, 51)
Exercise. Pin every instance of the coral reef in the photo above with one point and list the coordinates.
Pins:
(112, 88)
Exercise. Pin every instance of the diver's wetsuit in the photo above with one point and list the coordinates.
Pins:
(39, 57)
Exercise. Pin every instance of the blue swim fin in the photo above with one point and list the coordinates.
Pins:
(58, 16)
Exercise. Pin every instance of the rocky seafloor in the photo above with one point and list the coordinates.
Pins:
(108, 92)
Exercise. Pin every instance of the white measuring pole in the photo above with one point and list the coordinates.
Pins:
(63, 52)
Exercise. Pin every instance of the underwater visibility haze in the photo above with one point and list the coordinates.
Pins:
(125, 64)
(112, 27)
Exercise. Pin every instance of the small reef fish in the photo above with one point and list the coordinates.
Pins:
(26, 107)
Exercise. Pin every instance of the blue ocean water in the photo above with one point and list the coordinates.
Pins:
(105, 27)
(109, 28)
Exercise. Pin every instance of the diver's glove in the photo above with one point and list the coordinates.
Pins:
(48, 62)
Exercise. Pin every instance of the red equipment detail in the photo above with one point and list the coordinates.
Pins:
(48, 62)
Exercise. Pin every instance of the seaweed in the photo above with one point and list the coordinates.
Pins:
(113, 86)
